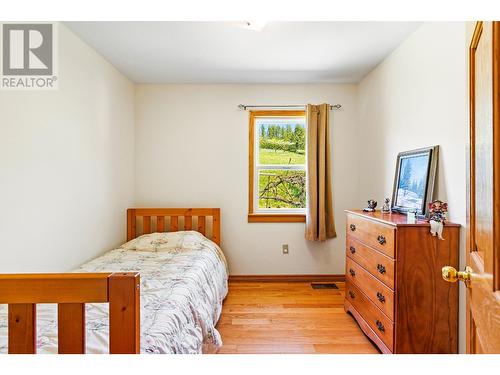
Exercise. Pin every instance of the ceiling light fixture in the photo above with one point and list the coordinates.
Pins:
(254, 25)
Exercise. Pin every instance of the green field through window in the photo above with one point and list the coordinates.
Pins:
(282, 144)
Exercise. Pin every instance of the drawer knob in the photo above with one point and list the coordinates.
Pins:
(380, 326)
(381, 240)
(380, 268)
(352, 272)
(351, 294)
(352, 249)
(352, 227)
(380, 297)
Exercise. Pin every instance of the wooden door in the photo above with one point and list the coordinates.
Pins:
(483, 198)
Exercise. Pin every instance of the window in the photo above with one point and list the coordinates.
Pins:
(277, 166)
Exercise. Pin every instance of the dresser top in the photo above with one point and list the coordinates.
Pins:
(394, 219)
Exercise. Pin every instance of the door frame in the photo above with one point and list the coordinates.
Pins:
(471, 255)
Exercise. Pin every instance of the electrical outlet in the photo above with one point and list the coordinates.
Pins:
(284, 248)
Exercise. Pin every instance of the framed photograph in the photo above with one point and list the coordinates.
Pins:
(414, 180)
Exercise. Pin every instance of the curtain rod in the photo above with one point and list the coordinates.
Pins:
(244, 107)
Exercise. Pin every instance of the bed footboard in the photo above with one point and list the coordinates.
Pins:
(71, 291)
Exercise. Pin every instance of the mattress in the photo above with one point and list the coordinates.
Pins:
(183, 284)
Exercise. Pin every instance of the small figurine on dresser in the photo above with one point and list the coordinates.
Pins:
(371, 206)
(386, 207)
(437, 217)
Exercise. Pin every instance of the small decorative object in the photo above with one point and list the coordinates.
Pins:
(437, 217)
(371, 206)
(411, 216)
(414, 180)
(386, 208)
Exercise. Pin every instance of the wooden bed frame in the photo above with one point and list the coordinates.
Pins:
(71, 291)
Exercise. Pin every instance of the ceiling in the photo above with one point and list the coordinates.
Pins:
(227, 52)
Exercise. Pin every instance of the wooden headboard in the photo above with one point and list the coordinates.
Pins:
(206, 221)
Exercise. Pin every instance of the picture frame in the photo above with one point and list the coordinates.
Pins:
(414, 180)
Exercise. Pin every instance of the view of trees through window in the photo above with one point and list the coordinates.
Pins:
(282, 163)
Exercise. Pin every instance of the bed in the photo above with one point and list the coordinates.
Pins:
(161, 292)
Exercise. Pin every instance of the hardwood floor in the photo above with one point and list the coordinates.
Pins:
(280, 317)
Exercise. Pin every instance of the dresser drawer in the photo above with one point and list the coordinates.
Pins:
(378, 264)
(372, 233)
(379, 323)
(374, 289)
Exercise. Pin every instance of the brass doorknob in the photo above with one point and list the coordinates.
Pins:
(451, 275)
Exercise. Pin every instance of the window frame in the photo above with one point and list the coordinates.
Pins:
(274, 216)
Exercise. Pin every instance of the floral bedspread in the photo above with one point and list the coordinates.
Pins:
(183, 283)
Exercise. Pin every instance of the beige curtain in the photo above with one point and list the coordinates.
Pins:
(319, 218)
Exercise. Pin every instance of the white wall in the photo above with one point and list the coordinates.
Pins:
(192, 151)
(417, 98)
(66, 164)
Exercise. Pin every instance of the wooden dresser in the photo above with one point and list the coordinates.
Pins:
(394, 287)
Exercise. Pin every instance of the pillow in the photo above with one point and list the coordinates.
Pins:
(164, 241)
(154, 242)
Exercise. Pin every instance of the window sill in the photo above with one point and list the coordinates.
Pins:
(276, 218)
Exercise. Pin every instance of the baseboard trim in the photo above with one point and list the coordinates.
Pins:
(287, 278)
